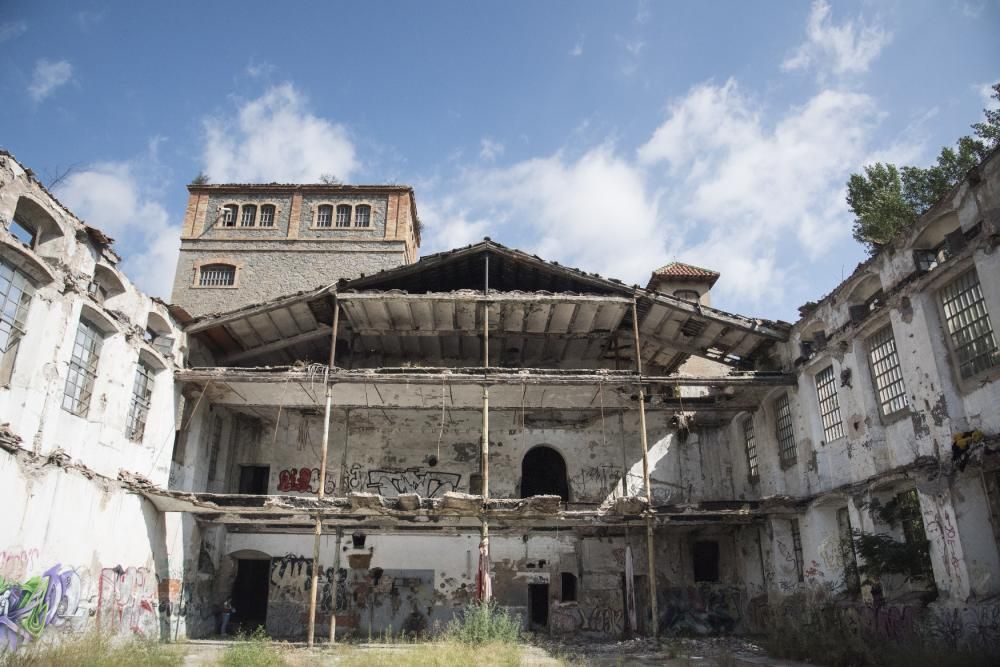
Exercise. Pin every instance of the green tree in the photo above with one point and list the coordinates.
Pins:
(877, 200)
(989, 131)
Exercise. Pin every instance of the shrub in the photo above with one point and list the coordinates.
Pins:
(253, 650)
(484, 623)
(93, 650)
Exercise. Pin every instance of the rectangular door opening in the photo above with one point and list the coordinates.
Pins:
(538, 604)
(253, 480)
(250, 590)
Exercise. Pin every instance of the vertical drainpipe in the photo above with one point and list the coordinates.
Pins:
(485, 453)
(311, 635)
(645, 474)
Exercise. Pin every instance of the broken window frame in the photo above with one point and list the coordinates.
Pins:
(16, 294)
(82, 371)
(887, 374)
(248, 215)
(28, 234)
(142, 395)
(217, 275)
(970, 332)
(363, 216)
(829, 404)
(229, 215)
(324, 215)
(343, 215)
(784, 430)
(750, 448)
(797, 549)
(267, 215)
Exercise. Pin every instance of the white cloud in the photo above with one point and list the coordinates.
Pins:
(985, 91)
(12, 30)
(111, 197)
(489, 149)
(47, 77)
(741, 187)
(847, 48)
(577, 49)
(276, 138)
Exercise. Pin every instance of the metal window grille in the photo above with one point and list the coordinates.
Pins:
(886, 373)
(797, 550)
(969, 325)
(362, 216)
(249, 216)
(786, 436)
(217, 275)
(324, 215)
(229, 216)
(829, 404)
(751, 449)
(82, 369)
(267, 216)
(15, 297)
(343, 215)
(142, 392)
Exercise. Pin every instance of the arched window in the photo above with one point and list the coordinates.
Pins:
(343, 215)
(229, 213)
(687, 295)
(324, 215)
(362, 216)
(543, 473)
(249, 216)
(35, 227)
(267, 215)
(16, 291)
(217, 275)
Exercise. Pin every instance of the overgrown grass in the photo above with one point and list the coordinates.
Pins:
(484, 624)
(446, 653)
(93, 650)
(253, 650)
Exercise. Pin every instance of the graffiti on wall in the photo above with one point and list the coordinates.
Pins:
(29, 607)
(17, 563)
(305, 480)
(570, 618)
(707, 609)
(126, 601)
(428, 484)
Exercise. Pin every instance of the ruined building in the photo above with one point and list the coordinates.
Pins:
(334, 428)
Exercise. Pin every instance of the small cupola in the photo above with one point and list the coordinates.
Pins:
(684, 281)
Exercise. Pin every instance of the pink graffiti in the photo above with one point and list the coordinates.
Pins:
(16, 563)
(303, 480)
(126, 601)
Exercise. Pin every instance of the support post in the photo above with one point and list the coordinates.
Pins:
(484, 542)
(333, 588)
(311, 632)
(651, 567)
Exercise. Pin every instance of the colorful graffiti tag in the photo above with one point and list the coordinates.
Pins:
(126, 601)
(28, 608)
(304, 480)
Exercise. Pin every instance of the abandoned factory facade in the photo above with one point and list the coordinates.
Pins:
(335, 430)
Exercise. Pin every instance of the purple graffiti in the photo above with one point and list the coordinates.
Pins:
(26, 609)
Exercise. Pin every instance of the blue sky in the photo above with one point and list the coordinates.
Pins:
(610, 136)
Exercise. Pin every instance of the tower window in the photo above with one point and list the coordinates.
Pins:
(324, 215)
(362, 216)
(267, 215)
(249, 215)
(229, 213)
(217, 275)
(343, 215)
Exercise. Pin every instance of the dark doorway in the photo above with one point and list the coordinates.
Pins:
(568, 587)
(253, 578)
(253, 479)
(543, 473)
(538, 604)
(706, 560)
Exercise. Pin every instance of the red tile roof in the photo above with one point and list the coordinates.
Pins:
(680, 269)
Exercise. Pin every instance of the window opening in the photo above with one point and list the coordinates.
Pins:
(229, 213)
(249, 215)
(750, 444)
(253, 480)
(687, 295)
(362, 216)
(16, 292)
(969, 325)
(343, 215)
(543, 473)
(82, 368)
(848, 554)
(24, 232)
(797, 550)
(217, 275)
(142, 392)
(324, 215)
(912, 523)
(886, 373)
(267, 216)
(786, 436)
(829, 404)
(568, 586)
(213, 455)
(706, 561)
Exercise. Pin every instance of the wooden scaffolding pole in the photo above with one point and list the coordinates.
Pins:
(651, 568)
(484, 542)
(311, 634)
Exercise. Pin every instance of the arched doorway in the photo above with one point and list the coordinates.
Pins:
(543, 473)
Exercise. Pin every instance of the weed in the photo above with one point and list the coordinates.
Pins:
(437, 654)
(253, 650)
(93, 650)
(484, 623)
